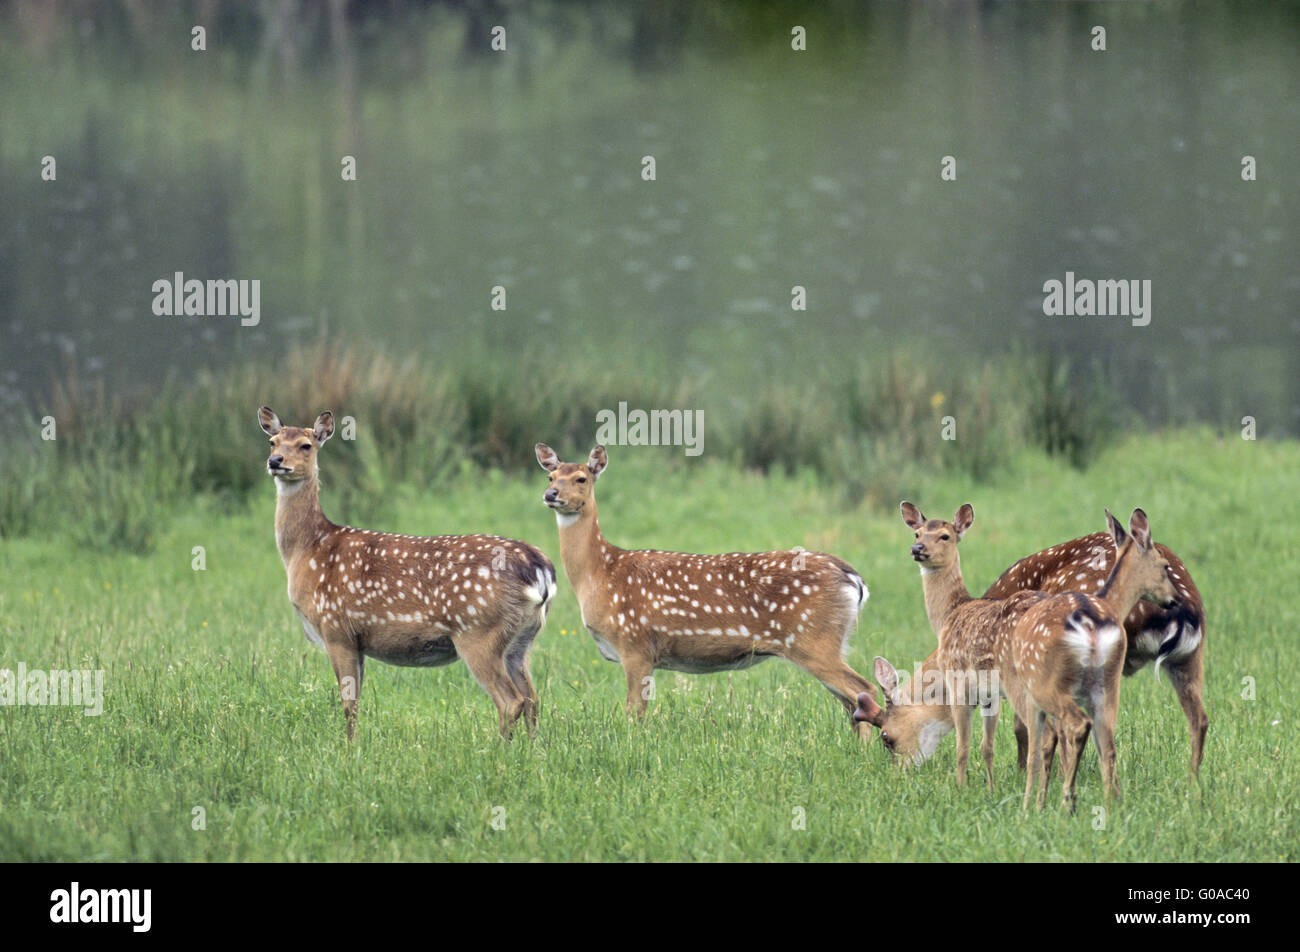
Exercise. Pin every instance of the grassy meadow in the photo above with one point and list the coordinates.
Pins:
(214, 699)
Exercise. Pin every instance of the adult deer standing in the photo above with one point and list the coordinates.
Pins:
(1057, 655)
(702, 613)
(1174, 638)
(402, 599)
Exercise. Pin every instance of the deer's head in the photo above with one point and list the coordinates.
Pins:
(935, 544)
(912, 722)
(293, 448)
(570, 486)
(1140, 562)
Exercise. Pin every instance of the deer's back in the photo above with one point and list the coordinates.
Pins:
(386, 588)
(1084, 564)
(762, 602)
(974, 632)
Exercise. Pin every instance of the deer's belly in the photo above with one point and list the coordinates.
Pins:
(607, 651)
(310, 630)
(429, 651)
(710, 663)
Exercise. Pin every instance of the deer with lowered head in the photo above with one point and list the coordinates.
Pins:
(1055, 655)
(401, 599)
(653, 610)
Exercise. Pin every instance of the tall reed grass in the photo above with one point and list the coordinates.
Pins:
(114, 469)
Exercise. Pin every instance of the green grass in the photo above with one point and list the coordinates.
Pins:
(214, 699)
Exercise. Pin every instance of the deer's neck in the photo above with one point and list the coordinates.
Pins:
(1121, 593)
(583, 550)
(299, 521)
(945, 592)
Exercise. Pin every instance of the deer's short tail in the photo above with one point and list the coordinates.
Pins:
(858, 591)
(1094, 639)
(538, 575)
(1182, 634)
(855, 592)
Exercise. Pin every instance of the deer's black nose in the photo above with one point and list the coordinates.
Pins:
(918, 549)
(551, 495)
(275, 461)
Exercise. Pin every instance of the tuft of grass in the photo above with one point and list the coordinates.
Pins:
(1069, 417)
(873, 435)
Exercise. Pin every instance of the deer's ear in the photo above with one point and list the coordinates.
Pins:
(546, 457)
(324, 427)
(597, 461)
(964, 518)
(1116, 531)
(1141, 529)
(268, 421)
(911, 515)
(887, 678)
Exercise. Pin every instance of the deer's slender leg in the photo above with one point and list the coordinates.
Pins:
(1049, 752)
(348, 667)
(1034, 719)
(1104, 736)
(842, 681)
(639, 670)
(1022, 742)
(989, 722)
(1072, 726)
(484, 655)
(521, 676)
(1186, 678)
(961, 715)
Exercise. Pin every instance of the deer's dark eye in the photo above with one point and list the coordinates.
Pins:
(305, 446)
(944, 537)
(582, 479)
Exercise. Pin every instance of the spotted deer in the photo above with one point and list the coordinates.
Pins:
(653, 610)
(1055, 655)
(404, 600)
(1174, 638)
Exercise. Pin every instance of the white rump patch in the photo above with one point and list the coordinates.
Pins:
(542, 592)
(1109, 637)
(1189, 642)
(1092, 645)
(857, 592)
